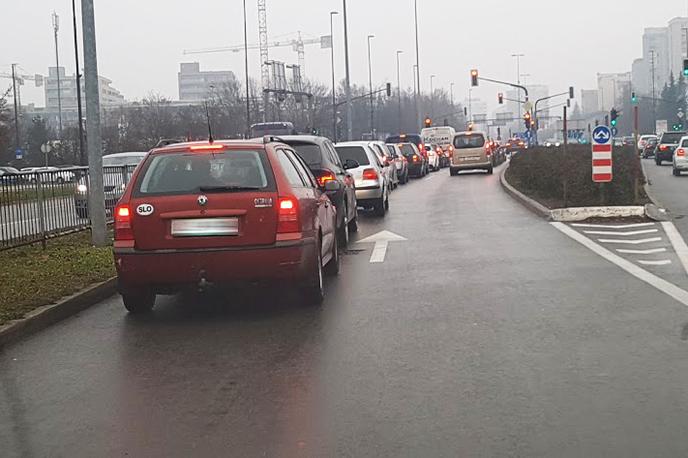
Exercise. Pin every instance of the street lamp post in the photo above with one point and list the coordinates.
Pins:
(56, 29)
(80, 111)
(370, 79)
(399, 53)
(432, 96)
(518, 77)
(451, 94)
(248, 89)
(417, 96)
(334, 83)
(349, 113)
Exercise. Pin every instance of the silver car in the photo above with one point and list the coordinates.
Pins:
(370, 176)
(390, 167)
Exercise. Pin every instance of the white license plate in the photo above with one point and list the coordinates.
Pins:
(473, 158)
(205, 227)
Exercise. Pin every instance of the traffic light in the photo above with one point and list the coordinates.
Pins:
(634, 98)
(678, 126)
(614, 117)
(428, 122)
(685, 67)
(389, 89)
(474, 77)
(572, 94)
(606, 120)
(500, 98)
(528, 120)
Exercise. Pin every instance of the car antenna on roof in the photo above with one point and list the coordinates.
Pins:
(210, 128)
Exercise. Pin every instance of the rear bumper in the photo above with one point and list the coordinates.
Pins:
(664, 155)
(471, 165)
(363, 194)
(169, 271)
(680, 164)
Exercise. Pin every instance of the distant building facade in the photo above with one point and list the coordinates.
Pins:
(611, 88)
(68, 94)
(195, 85)
(590, 101)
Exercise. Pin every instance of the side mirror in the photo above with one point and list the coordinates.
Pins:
(332, 186)
(351, 164)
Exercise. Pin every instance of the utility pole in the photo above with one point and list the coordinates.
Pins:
(16, 107)
(418, 94)
(370, 79)
(518, 77)
(248, 90)
(349, 108)
(56, 28)
(654, 90)
(96, 201)
(399, 86)
(451, 94)
(80, 113)
(334, 83)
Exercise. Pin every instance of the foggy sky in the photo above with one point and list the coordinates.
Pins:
(140, 42)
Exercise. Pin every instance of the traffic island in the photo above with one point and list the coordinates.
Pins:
(557, 184)
(39, 287)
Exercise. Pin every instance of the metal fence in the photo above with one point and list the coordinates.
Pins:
(37, 206)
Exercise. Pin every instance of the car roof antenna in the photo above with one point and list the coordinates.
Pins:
(210, 127)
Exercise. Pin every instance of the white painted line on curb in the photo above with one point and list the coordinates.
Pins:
(655, 263)
(632, 242)
(605, 226)
(624, 234)
(678, 243)
(655, 251)
(662, 285)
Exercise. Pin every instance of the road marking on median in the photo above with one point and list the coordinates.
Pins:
(653, 251)
(665, 262)
(678, 243)
(381, 240)
(632, 242)
(659, 283)
(623, 234)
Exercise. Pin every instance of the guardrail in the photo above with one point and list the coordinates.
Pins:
(37, 206)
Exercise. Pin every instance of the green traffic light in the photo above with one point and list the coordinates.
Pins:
(685, 72)
(614, 122)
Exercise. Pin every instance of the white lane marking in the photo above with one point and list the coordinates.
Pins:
(678, 243)
(379, 252)
(623, 234)
(654, 251)
(605, 226)
(662, 285)
(632, 242)
(381, 241)
(655, 263)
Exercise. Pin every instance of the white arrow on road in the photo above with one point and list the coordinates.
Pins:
(381, 241)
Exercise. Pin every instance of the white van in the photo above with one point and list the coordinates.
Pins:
(440, 136)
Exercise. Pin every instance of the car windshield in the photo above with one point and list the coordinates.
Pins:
(309, 152)
(356, 153)
(672, 137)
(407, 150)
(469, 141)
(183, 173)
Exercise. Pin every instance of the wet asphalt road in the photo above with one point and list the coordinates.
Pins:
(487, 333)
(669, 191)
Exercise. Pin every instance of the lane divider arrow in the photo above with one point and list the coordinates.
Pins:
(381, 240)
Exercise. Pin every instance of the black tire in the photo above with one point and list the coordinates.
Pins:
(490, 170)
(379, 207)
(677, 173)
(332, 267)
(658, 161)
(343, 231)
(138, 303)
(453, 172)
(353, 225)
(312, 289)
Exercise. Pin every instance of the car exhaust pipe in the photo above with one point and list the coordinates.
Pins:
(203, 283)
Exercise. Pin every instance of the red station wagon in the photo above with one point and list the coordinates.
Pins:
(201, 214)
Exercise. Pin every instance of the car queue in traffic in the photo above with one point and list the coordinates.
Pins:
(199, 215)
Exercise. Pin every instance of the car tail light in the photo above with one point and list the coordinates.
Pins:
(488, 150)
(415, 158)
(123, 230)
(663, 147)
(451, 148)
(680, 152)
(288, 216)
(370, 174)
(208, 147)
(324, 176)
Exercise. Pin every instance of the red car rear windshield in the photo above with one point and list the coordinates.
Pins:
(184, 173)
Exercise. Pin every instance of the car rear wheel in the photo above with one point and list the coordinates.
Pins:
(677, 172)
(343, 232)
(139, 302)
(658, 161)
(453, 172)
(332, 267)
(312, 290)
(490, 170)
(379, 208)
(353, 225)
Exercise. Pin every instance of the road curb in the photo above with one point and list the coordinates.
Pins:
(45, 316)
(533, 205)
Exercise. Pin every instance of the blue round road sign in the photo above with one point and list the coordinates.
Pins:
(601, 135)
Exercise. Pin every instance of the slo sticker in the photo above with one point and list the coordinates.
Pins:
(145, 209)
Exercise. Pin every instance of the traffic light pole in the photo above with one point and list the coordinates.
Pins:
(535, 111)
(506, 83)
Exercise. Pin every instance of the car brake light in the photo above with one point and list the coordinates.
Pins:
(288, 216)
(370, 174)
(123, 230)
(324, 176)
(680, 152)
(451, 148)
(208, 147)
(415, 158)
(663, 147)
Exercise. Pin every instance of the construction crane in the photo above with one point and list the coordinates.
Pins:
(37, 79)
(298, 45)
